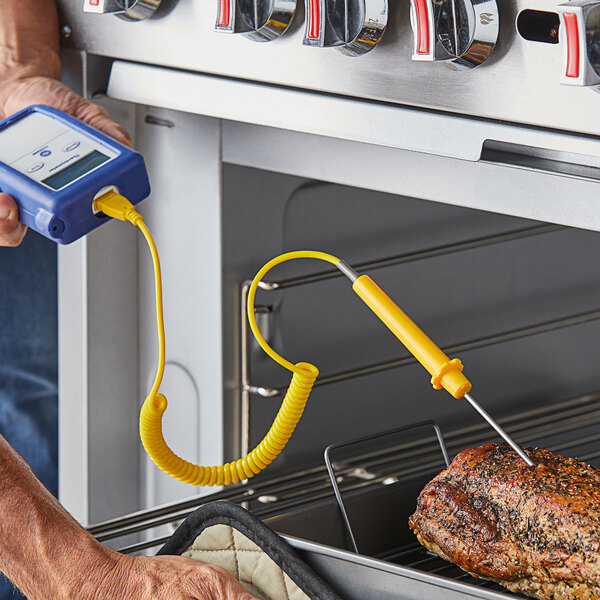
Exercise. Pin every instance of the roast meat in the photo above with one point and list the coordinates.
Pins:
(534, 530)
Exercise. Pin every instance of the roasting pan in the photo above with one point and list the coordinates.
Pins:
(379, 483)
(389, 563)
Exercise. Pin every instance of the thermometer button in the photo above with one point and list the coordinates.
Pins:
(35, 167)
(71, 146)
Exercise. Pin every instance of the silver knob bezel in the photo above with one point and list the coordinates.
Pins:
(279, 18)
(479, 18)
(140, 10)
(589, 70)
(369, 23)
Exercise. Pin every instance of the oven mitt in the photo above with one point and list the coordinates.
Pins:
(226, 535)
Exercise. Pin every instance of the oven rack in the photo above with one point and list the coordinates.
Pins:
(571, 426)
(416, 556)
(249, 388)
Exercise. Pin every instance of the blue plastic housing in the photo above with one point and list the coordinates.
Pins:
(66, 215)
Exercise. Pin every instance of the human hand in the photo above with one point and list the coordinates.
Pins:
(23, 92)
(168, 578)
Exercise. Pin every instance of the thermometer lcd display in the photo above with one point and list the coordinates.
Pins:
(77, 169)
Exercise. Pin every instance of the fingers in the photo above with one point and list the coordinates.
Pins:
(175, 578)
(12, 231)
(217, 583)
(98, 117)
(44, 90)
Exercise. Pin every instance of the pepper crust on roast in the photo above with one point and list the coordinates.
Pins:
(534, 530)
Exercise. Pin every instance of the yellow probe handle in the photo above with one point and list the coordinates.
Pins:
(445, 373)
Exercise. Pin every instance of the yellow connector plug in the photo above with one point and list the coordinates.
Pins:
(116, 206)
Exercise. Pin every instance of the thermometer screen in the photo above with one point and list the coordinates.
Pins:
(75, 170)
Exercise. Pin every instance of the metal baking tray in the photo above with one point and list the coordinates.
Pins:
(382, 485)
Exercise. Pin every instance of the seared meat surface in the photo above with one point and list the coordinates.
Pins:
(535, 530)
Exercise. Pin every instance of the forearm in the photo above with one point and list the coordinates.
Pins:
(43, 550)
(29, 40)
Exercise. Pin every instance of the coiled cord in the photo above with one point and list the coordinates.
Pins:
(288, 416)
(292, 407)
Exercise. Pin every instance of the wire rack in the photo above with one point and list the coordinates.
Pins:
(570, 427)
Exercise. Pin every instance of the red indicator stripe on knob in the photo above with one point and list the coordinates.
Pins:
(314, 19)
(573, 49)
(224, 13)
(422, 27)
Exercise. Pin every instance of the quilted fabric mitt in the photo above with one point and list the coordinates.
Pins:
(226, 535)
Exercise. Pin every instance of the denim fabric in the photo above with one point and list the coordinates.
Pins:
(29, 360)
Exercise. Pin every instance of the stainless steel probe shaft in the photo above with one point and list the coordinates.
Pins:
(499, 429)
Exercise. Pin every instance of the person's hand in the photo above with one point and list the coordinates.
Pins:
(168, 578)
(21, 93)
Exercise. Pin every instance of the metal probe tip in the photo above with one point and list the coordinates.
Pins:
(499, 429)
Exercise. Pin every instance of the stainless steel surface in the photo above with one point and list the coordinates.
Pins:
(350, 119)
(356, 577)
(519, 83)
(346, 270)
(498, 429)
(259, 20)
(107, 326)
(354, 27)
(128, 10)
(585, 53)
(517, 184)
(462, 33)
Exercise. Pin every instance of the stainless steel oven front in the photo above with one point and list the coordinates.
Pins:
(449, 146)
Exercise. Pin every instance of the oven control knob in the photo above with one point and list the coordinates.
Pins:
(579, 36)
(260, 20)
(130, 10)
(462, 33)
(354, 26)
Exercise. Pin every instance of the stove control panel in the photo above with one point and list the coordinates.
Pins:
(462, 33)
(259, 20)
(130, 10)
(353, 27)
(579, 36)
(524, 50)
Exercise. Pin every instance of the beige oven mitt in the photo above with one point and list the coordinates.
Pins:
(226, 535)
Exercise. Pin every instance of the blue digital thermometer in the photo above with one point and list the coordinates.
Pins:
(55, 166)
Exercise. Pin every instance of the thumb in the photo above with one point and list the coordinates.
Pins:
(12, 231)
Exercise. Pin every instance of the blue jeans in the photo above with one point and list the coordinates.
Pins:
(29, 360)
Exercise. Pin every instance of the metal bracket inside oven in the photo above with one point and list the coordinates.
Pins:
(334, 477)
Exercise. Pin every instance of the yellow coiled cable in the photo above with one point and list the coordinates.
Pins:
(292, 407)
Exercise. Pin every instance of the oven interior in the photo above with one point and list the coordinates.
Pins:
(515, 299)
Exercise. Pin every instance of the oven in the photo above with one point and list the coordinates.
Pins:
(450, 149)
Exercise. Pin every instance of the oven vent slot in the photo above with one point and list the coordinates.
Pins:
(541, 159)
